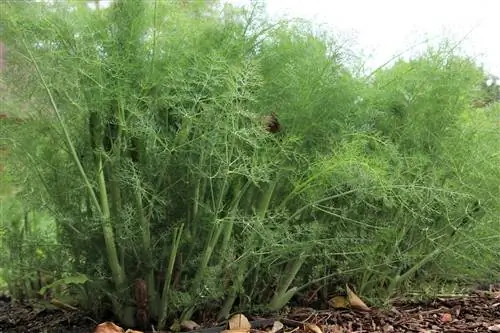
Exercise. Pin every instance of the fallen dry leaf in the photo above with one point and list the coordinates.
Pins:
(313, 328)
(133, 331)
(339, 302)
(239, 323)
(62, 305)
(277, 326)
(189, 325)
(237, 330)
(388, 328)
(446, 317)
(334, 329)
(494, 328)
(108, 327)
(355, 301)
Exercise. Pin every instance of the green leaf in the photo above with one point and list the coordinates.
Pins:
(75, 279)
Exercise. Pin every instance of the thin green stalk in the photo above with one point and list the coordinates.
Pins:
(400, 278)
(312, 204)
(198, 191)
(114, 187)
(238, 192)
(207, 254)
(67, 137)
(214, 237)
(302, 186)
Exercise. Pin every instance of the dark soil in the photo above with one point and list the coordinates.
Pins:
(477, 312)
(38, 317)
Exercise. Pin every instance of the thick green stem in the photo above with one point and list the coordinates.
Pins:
(102, 207)
(107, 228)
(266, 200)
(214, 237)
(228, 304)
(146, 244)
(283, 294)
(168, 277)
(238, 192)
(236, 289)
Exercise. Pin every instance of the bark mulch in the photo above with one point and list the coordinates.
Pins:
(474, 313)
(477, 312)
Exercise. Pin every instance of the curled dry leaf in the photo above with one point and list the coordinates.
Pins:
(189, 325)
(277, 326)
(108, 327)
(494, 328)
(446, 317)
(313, 328)
(355, 301)
(239, 322)
(271, 123)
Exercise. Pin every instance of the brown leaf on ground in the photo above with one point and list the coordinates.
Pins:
(471, 313)
(334, 329)
(355, 301)
(239, 322)
(277, 326)
(189, 325)
(494, 328)
(446, 318)
(108, 327)
(313, 328)
(237, 330)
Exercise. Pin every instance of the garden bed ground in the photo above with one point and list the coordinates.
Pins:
(477, 312)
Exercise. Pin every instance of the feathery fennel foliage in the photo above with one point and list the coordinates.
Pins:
(145, 144)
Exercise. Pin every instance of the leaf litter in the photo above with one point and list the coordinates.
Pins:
(476, 312)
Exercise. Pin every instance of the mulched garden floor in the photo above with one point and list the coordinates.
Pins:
(477, 312)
